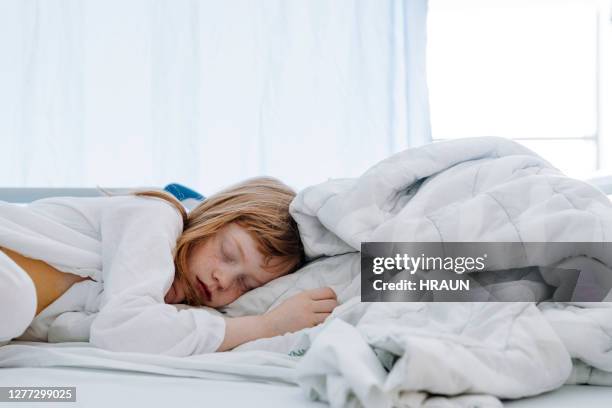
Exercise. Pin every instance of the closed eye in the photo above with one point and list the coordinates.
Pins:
(226, 256)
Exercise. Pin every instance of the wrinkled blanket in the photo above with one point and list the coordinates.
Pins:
(455, 354)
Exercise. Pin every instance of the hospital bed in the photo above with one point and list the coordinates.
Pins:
(104, 378)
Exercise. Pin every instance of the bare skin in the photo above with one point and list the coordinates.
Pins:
(306, 309)
(49, 282)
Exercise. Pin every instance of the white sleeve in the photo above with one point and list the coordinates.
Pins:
(138, 237)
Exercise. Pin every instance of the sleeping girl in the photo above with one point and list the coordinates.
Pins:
(108, 269)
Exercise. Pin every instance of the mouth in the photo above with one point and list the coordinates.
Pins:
(203, 289)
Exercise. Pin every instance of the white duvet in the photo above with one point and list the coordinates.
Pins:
(482, 189)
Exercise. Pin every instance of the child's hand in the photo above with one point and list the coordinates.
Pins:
(306, 309)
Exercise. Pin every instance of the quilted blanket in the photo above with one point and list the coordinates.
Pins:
(457, 354)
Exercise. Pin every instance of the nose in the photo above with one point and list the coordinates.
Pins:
(223, 279)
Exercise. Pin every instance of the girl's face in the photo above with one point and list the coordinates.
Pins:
(223, 268)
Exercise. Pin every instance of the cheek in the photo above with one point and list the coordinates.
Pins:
(203, 258)
(228, 297)
(200, 265)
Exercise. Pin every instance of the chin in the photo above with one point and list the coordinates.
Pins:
(218, 304)
(209, 304)
(215, 305)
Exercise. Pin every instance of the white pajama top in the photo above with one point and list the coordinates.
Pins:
(125, 244)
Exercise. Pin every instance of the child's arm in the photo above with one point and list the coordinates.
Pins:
(138, 236)
(306, 309)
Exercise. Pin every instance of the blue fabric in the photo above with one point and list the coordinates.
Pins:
(183, 193)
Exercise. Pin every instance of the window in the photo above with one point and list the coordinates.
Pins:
(529, 70)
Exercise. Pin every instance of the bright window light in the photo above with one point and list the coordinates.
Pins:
(521, 69)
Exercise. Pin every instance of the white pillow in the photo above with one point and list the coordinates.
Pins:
(341, 273)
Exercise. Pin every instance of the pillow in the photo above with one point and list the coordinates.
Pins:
(342, 273)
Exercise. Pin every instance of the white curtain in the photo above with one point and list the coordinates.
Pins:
(207, 93)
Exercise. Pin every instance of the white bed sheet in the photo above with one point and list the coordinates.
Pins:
(103, 388)
(105, 379)
(234, 379)
(100, 388)
(247, 366)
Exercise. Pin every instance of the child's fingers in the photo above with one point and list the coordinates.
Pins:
(322, 293)
(325, 305)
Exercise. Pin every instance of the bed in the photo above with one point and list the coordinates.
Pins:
(104, 378)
